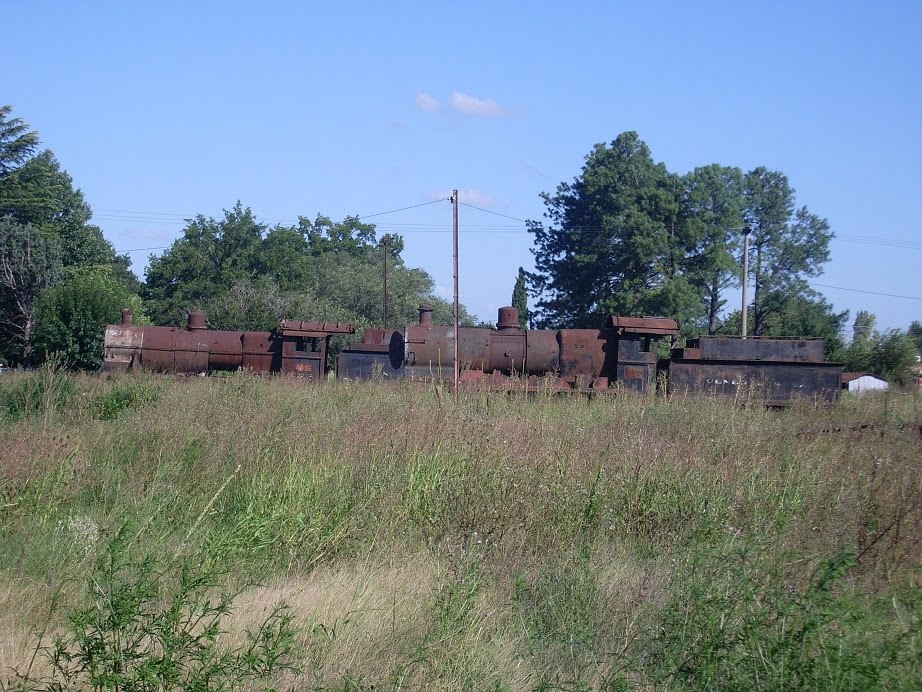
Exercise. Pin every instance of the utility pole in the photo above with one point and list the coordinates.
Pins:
(454, 214)
(384, 242)
(746, 232)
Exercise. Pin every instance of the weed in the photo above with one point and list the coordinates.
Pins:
(743, 617)
(144, 630)
(124, 395)
(47, 392)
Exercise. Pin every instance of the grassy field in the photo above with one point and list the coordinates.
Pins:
(255, 533)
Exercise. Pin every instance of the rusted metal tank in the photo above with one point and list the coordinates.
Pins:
(368, 359)
(428, 349)
(775, 371)
(295, 348)
(756, 348)
(618, 354)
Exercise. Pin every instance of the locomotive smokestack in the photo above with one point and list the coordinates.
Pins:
(127, 319)
(507, 319)
(425, 315)
(196, 321)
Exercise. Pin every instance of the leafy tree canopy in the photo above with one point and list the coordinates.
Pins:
(246, 275)
(891, 354)
(602, 249)
(30, 261)
(520, 297)
(629, 237)
(71, 316)
(788, 244)
(45, 228)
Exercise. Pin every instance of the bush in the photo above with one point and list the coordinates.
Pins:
(142, 629)
(47, 392)
(124, 396)
(742, 618)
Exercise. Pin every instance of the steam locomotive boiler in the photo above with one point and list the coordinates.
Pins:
(294, 348)
(622, 353)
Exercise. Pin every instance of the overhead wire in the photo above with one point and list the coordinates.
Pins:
(871, 293)
(127, 215)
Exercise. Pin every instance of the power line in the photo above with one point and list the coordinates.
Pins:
(495, 213)
(142, 249)
(393, 211)
(871, 293)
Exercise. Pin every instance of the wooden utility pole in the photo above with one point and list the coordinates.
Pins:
(746, 232)
(454, 214)
(384, 241)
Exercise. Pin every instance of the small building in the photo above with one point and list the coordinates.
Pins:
(863, 382)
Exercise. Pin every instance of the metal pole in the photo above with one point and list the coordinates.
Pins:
(746, 232)
(384, 242)
(454, 213)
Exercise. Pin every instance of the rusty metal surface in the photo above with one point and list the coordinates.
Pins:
(302, 328)
(621, 355)
(652, 326)
(782, 350)
(773, 383)
(370, 358)
(507, 319)
(581, 358)
(542, 352)
(298, 348)
(582, 355)
(261, 352)
(122, 346)
(366, 365)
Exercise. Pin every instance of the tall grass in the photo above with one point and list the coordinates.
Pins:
(500, 541)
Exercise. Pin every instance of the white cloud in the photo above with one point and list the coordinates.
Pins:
(465, 103)
(427, 103)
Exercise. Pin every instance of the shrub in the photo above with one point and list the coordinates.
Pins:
(141, 629)
(123, 396)
(47, 392)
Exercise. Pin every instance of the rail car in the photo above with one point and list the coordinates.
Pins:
(622, 354)
(295, 348)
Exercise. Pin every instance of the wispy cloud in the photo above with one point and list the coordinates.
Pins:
(471, 105)
(460, 102)
(427, 103)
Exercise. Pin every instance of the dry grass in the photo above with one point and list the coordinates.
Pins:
(505, 540)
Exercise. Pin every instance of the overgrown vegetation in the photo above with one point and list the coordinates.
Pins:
(500, 542)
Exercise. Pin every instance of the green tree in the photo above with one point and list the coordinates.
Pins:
(48, 227)
(892, 354)
(520, 297)
(712, 212)
(17, 142)
(257, 305)
(41, 193)
(915, 333)
(807, 314)
(897, 356)
(248, 276)
(70, 317)
(788, 244)
(30, 261)
(211, 256)
(602, 250)
(864, 327)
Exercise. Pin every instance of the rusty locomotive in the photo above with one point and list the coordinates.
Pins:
(622, 354)
(294, 348)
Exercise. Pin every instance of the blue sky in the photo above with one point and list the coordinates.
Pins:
(163, 110)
